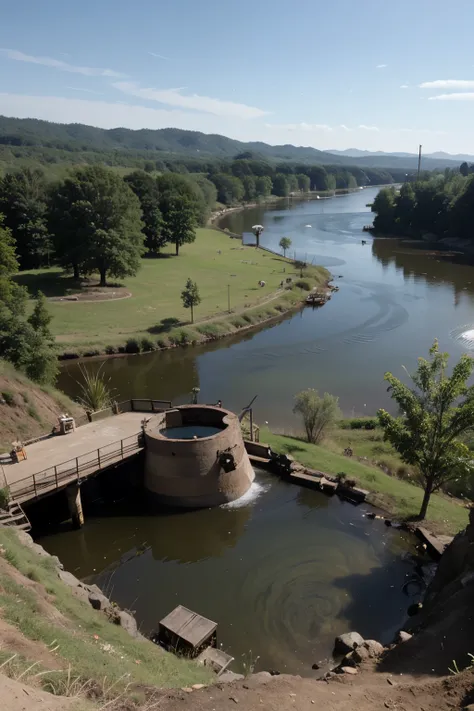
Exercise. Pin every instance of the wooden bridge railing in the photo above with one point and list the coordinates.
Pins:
(59, 475)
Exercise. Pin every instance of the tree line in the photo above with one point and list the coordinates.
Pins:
(441, 205)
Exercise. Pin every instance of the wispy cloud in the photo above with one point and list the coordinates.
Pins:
(159, 56)
(404, 86)
(381, 66)
(368, 128)
(59, 64)
(448, 84)
(463, 96)
(205, 104)
(88, 91)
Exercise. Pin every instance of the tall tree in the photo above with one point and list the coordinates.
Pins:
(229, 188)
(436, 412)
(263, 186)
(171, 185)
(281, 185)
(23, 201)
(304, 183)
(180, 222)
(190, 297)
(285, 243)
(145, 188)
(96, 222)
(384, 208)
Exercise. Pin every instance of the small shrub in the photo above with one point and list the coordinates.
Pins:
(360, 423)
(121, 349)
(211, 330)
(248, 318)
(8, 397)
(146, 344)
(183, 337)
(303, 284)
(33, 412)
(238, 322)
(91, 352)
(132, 346)
(161, 343)
(26, 398)
(110, 350)
(318, 413)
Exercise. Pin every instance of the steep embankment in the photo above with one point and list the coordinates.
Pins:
(26, 409)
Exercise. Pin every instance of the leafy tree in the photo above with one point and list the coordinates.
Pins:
(352, 183)
(27, 344)
(281, 186)
(229, 188)
(435, 413)
(304, 183)
(285, 243)
(145, 188)
(171, 185)
(404, 205)
(190, 297)
(23, 201)
(180, 222)
(250, 190)
(384, 208)
(318, 413)
(96, 222)
(463, 211)
(464, 169)
(263, 186)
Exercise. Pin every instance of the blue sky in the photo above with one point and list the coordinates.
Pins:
(368, 74)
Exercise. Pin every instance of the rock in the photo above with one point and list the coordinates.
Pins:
(387, 522)
(360, 654)
(347, 642)
(348, 660)
(92, 588)
(196, 687)
(374, 648)
(371, 515)
(187, 689)
(98, 601)
(128, 622)
(229, 676)
(403, 636)
(69, 579)
(349, 670)
(257, 679)
(315, 666)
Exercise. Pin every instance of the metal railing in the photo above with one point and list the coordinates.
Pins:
(60, 475)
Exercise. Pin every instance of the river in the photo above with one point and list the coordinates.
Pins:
(286, 569)
(394, 299)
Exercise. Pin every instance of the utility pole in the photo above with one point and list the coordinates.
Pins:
(228, 298)
(419, 163)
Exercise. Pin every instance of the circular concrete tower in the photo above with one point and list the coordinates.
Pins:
(195, 457)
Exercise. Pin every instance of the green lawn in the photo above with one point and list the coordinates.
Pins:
(214, 261)
(398, 497)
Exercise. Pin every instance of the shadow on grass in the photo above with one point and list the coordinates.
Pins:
(54, 282)
(165, 325)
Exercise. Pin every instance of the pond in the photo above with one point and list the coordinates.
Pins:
(282, 570)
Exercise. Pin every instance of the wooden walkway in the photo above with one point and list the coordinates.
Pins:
(57, 461)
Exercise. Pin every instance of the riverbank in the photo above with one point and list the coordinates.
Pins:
(228, 276)
(401, 499)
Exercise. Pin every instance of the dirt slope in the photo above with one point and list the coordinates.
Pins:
(26, 409)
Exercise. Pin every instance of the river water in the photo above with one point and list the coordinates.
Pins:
(287, 568)
(394, 299)
(282, 571)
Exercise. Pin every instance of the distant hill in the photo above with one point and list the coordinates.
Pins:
(32, 137)
(439, 156)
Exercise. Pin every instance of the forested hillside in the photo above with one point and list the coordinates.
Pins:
(34, 141)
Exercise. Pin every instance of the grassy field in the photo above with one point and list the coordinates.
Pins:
(214, 261)
(65, 634)
(401, 498)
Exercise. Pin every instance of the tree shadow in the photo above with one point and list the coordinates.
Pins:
(54, 282)
(165, 325)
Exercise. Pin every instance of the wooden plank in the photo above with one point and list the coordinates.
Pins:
(216, 659)
(189, 626)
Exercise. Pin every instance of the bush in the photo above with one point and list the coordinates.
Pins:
(90, 353)
(303, 284)
(211, 330)
(360, 423)
(161, 343)
(132, 346)
(110, 350)
(4, 498)
(146, 344)
(8, 397)
(238, 322)
(318, 413)
(33, 412)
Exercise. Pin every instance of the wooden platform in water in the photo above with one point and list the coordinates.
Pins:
(187, 626)
(436, 545)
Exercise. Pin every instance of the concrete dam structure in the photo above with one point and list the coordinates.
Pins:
(195, 457)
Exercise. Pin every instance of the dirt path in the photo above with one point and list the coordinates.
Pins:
(366, 692)
(16, 696)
